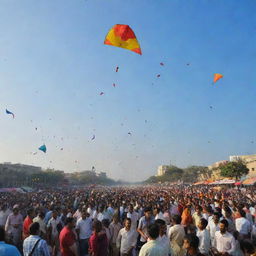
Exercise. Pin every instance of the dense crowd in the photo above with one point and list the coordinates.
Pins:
(129, 221)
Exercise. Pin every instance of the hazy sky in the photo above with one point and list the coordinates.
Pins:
(53, 66)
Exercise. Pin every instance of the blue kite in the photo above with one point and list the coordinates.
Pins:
(43, 148)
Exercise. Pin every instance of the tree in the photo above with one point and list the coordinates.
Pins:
(234, 169)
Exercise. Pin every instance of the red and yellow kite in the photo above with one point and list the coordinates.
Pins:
(124, 37)
(217, 77)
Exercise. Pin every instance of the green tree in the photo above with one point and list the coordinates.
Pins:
(234, 169)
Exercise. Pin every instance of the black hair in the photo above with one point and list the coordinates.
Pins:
(204, 222)
(193, 240)
(153, 231)
(176, 219)
(242, 213)
(2, 234)
(97, 226)
(129, 219)
(29, 211)
(69, 220)
(225, 222)
(247, 246)
(147, 209)
(160, 222)
(34, 228)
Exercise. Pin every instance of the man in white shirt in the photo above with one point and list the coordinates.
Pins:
(158, 214)
(213, 226)
(153, 247)
(127, 239)
(4, 213)
(225, 242)
(176, 232)
(243, 226)
(84, 231)
(134, 216)
(204, 237)
(163, 239)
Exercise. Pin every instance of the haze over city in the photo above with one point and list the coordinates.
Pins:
(54, 66)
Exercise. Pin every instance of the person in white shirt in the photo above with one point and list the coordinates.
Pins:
(204, 237)
(53, 231)
(40, 219)
(163, 238)
(158, 214)
(153, 247)
(127, 239)
(213, 226)
(84, 231)
(243, 226)
(176, 232)
(4, 213)
(114, 229)
(134, 216)
(225, 242)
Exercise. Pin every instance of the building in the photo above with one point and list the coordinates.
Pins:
(29, 169)
(162, 169)
(214, 171)
(249, 160)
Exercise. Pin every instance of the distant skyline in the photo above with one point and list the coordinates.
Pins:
(54, 65)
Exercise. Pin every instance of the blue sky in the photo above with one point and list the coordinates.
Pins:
(53, 65)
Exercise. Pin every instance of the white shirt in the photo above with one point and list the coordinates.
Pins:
(3, 216)
(160, 216)
(225, 242)
(177, 233)
(212, 227)
(134, 216)
(164, 242)
(204, 241)
(85, 228)
(126, 240)
(153, 248)
(243, 226)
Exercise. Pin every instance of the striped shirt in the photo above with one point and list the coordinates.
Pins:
(41, 248)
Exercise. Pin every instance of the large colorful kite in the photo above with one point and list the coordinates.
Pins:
(217, 77)
(9, 113)
(124, 37)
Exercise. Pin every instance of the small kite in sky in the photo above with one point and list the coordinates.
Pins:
(124, 37)
(158, 76)
(117, 69)
(42, 148)
(9, 113)
(61, 149)
(101, 93)
(129, 133)
(188, 64)
(210, 107)
(161, 63)
(114, 85)
(217, 77)
(93, 137)
(36, 128)
(34, 153)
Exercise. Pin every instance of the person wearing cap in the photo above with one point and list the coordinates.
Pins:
(13, 227)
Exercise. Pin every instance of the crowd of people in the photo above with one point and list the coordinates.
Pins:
(129, 221)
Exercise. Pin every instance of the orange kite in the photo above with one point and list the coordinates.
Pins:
(217, 77)
(124, 37)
